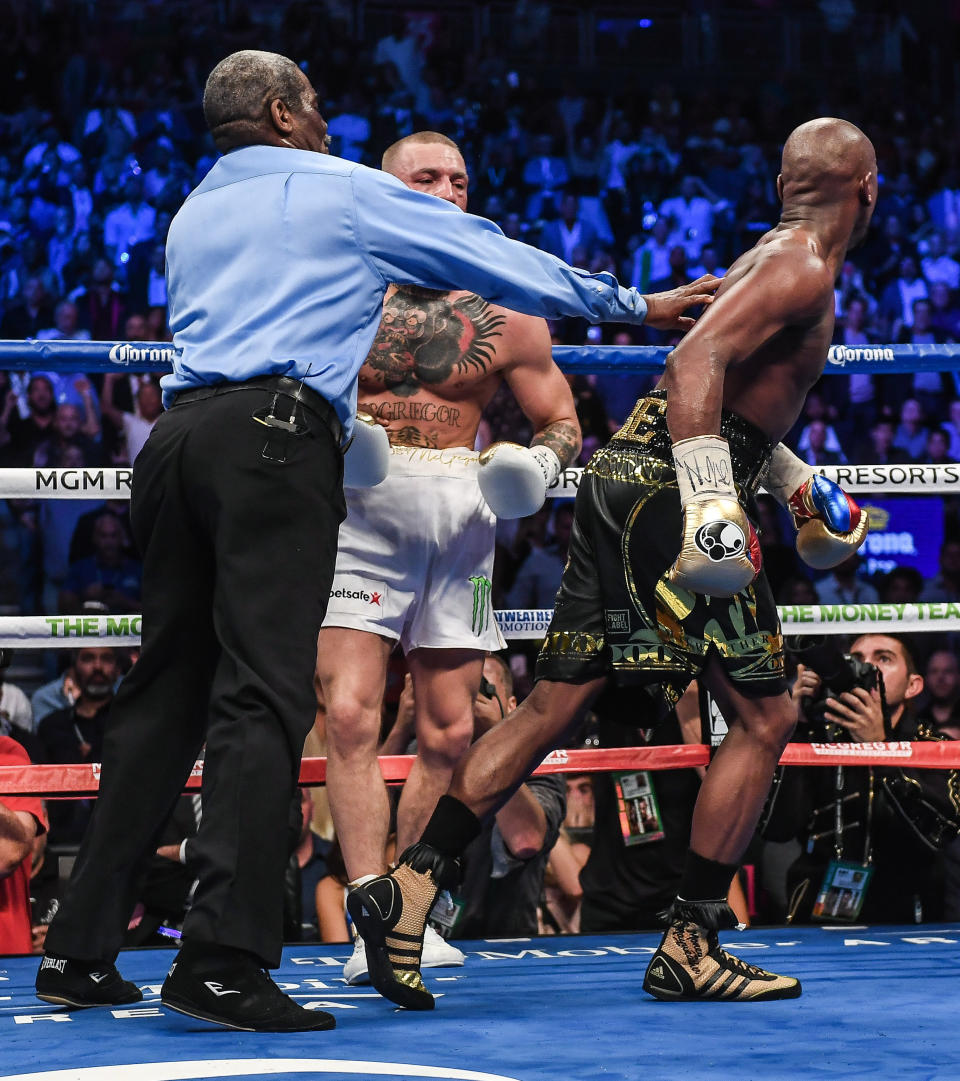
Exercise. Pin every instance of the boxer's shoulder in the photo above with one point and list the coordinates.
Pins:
(785, 261)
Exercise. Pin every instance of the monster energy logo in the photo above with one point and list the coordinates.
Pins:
(480, 620)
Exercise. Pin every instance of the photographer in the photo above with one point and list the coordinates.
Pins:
(636, 859)
(870, 835)
(503, 868)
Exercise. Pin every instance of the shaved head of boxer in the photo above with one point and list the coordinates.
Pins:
(428, 161)
(254, 97)
(829, 166)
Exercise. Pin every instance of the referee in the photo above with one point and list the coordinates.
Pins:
(277, 266)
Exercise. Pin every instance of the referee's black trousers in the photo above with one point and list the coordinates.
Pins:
(238, 555)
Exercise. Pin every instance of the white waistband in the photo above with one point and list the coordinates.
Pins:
(429, 462)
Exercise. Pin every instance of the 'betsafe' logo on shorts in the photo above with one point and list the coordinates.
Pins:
(375, 597)
(354, 593)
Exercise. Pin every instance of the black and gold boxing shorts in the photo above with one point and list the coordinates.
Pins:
(616, 613)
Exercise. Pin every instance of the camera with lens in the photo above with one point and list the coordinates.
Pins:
(838, 674)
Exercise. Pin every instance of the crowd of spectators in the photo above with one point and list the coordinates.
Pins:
(657, 184)
(657, 187)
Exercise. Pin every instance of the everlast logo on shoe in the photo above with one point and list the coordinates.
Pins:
(58, 963)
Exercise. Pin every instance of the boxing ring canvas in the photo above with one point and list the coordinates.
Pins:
(877, 1002)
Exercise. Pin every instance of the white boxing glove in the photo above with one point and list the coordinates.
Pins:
(367, 457)
(514, 479)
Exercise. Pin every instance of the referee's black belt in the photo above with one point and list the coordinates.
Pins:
(273, 384)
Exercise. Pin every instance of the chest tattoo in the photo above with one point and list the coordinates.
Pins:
(424, 339)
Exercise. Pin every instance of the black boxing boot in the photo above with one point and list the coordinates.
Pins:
(390, 913)
(230, 987)
(79, 985)
(690, 965)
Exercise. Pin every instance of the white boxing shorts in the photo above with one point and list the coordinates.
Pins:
(415, 556)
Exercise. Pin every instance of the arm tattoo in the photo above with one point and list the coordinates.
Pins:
(562, 438)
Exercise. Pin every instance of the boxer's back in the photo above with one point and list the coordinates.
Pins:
(769, 383)
(769, 388)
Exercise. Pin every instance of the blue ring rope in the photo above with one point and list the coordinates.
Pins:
(70, 356)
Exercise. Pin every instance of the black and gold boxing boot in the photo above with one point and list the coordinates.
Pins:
(390, 913)
(690, 964)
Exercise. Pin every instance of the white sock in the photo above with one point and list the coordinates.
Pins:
(361, 881)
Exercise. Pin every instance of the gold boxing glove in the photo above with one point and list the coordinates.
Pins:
(720, 552)
(830, 525)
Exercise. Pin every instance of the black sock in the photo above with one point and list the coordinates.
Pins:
(704, 879)
(452, 827)
(211, 956)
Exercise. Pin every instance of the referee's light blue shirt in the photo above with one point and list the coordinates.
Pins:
(277, 264)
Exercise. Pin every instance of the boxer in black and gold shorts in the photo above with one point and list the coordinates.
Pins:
(664, 580)
(617, 613)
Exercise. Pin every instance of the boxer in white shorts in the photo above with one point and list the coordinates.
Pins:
(416, 552)
(415, 555)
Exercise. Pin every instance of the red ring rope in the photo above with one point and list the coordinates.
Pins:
(81, 780)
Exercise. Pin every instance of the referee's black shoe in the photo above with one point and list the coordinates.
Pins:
(81, 984)
(229, 988)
